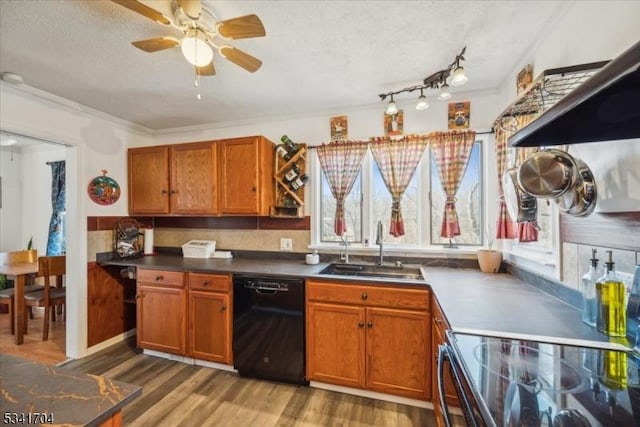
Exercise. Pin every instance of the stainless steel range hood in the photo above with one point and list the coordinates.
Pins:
(604, 108)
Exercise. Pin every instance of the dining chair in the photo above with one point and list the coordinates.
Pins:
(50, 296)
(7, 295)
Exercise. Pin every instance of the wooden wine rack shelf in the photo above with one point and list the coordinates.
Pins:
(288, 203)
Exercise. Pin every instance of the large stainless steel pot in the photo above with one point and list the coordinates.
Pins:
(548, 173)
(581, 199)
(522, 207)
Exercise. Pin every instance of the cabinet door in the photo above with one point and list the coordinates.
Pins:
(209, 326)
(399, 352)
(194, 178)
(148, 173)
(161, 319)
(246, 176)
(336, 344)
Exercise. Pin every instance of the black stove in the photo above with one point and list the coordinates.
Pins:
(531, 383)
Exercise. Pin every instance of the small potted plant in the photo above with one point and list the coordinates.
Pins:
(489, 259)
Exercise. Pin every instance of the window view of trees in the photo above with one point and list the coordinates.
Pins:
(352, 211)
(418, 212)
(468, 203)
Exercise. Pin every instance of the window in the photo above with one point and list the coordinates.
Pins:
(352, 211)
(370, 202)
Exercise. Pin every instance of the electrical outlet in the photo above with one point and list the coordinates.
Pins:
(286, 244)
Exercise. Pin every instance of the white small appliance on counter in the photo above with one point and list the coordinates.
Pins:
(199, 249)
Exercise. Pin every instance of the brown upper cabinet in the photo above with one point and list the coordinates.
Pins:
(246, 176)
(229, 177)
(176, 179)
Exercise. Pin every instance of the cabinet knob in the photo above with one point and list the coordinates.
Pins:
(163, 192)
(223, 308)
(360, 324)
(206, 283)
(158, 278)
(138, 296)
(438, 321)
(369, 324)
(364, 295)
(173, 191)
(254, 189)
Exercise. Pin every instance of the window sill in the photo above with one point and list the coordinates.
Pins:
(541, 263)
(435, 252)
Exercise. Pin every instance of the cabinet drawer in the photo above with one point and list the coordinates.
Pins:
(161, 277)
(379, 296)
(209, 282)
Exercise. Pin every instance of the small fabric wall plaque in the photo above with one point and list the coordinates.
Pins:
(104, 190)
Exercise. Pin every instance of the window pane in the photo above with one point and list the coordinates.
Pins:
(468, 204)
(381, 202)
(352, 211)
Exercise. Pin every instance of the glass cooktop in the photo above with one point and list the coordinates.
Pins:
(530, 383)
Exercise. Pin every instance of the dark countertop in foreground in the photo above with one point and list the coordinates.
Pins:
(473, 302)
(63, 396)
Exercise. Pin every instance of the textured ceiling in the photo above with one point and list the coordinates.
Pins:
(317, 55)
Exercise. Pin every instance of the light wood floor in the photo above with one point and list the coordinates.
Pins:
(50, 352)
(178, 394)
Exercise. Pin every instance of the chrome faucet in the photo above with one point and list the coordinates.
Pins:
(379, 241)
(345, 241)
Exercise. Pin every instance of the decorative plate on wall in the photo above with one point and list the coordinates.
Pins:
(104, 190)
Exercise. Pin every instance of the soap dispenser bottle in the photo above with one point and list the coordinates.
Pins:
(610, 299)
(588, 290)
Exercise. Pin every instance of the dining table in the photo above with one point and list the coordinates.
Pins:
(19, 273)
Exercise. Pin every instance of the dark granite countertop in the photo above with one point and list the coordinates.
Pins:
(473, 302)
(63, 396)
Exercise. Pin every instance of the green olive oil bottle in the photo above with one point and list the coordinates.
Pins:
(610, 299)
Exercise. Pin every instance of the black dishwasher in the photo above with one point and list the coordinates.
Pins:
(268, 328)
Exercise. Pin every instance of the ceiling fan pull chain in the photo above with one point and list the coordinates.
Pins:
(196, 84)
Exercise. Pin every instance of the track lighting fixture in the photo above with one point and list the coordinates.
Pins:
(438, 80)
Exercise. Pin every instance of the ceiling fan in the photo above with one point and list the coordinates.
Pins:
(201, 29)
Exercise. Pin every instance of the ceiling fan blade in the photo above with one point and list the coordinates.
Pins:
(154, 45)
(191, 8)
(241, 59)
(144, 10)
(206, 70)
(241, 28)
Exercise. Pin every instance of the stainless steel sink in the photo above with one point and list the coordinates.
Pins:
(373, 270)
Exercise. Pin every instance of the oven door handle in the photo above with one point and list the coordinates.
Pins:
(445, 354)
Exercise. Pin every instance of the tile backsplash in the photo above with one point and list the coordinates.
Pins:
(575, 261)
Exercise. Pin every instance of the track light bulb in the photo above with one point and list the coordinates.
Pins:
(444, 92)
(196, 50)
(392, 108)
(458, 78)
(422, 102)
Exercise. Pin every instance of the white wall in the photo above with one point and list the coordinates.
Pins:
(364, 122)
(95, 141)
(10, 212)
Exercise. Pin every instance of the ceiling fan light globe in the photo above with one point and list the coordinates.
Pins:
(196, 51)
(458, 77)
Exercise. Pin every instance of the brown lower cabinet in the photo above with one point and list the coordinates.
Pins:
(370, 337)
(440, 326)
(193, 320)
(210, 317)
